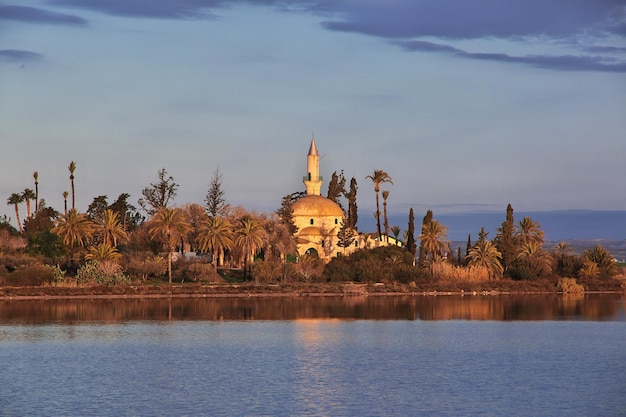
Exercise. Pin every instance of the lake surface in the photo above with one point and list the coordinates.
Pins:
(315, 356)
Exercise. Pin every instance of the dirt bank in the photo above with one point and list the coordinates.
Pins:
(300, 289)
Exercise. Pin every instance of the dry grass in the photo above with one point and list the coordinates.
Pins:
(469, 274)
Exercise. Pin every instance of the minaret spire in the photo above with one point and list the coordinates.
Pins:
(313, 148)
(313, 181)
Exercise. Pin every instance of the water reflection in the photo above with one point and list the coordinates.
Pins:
(609, 307)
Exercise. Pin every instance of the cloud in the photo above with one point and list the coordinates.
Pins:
(473, 19)
(605, 49)
(163, 9)
(16, 55)
(35, 15)
(554, 62)
(450, 19)
(580, 23)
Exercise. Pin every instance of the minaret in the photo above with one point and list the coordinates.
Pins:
(313, 181)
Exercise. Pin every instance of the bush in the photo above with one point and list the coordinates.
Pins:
(199, 271)
(10, 241)
(107, 273)
(385, 263)
(283, 272)
(58, 275)
(146, 266)
(569, 286)
(266, 271)
(17, 260)
(32, 275)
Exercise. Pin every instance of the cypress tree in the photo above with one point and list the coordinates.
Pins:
(336, 188)
(482, 235)
(505, 241)
(410, 240)
(353, 217)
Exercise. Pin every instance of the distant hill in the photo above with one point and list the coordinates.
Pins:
(557, 225)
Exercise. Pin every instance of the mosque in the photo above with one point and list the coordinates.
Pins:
(319, 218)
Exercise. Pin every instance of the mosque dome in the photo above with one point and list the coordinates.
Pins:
(316, 206)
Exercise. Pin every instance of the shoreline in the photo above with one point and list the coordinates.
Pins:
(194, 290)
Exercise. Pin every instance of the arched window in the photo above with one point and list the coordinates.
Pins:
(311, 221)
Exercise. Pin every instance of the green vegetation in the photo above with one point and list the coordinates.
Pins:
(113, 244)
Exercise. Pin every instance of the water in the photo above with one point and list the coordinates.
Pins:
(174, 361)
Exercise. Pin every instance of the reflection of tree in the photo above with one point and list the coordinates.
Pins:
(522, 307)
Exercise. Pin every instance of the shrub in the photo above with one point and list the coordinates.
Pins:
(10, 241)
(200, 271)
(144, 266)
(107, 273)
(266, 271)
(569, 286)
(32, 275)
(58, 275)
(17, 260)
(385, 263)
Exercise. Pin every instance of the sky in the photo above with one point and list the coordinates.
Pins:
(467, 104)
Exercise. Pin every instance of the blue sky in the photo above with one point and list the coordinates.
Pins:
(467, 104)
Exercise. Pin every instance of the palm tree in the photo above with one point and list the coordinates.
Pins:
(168, 225)
(563, 249)
(536, 260)
(589, 270)
(36, 177)
(249, 236)
(485, 254)
(215, 236)
(72, 167)
(102, 253)
(602, 258)
(565, 259)
(28, 196)
(435, 264)
(396, 232)
(433, 239)
(110, 229)
(14, 200)
(385, 195)
(528, 230)
(394, 260)
(65, 194)
(74, 228)
(379, 177)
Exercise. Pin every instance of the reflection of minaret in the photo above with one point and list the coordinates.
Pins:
(313, 181)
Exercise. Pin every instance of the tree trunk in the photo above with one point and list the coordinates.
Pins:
(169, 265)
(380, 235)
(17, 217)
